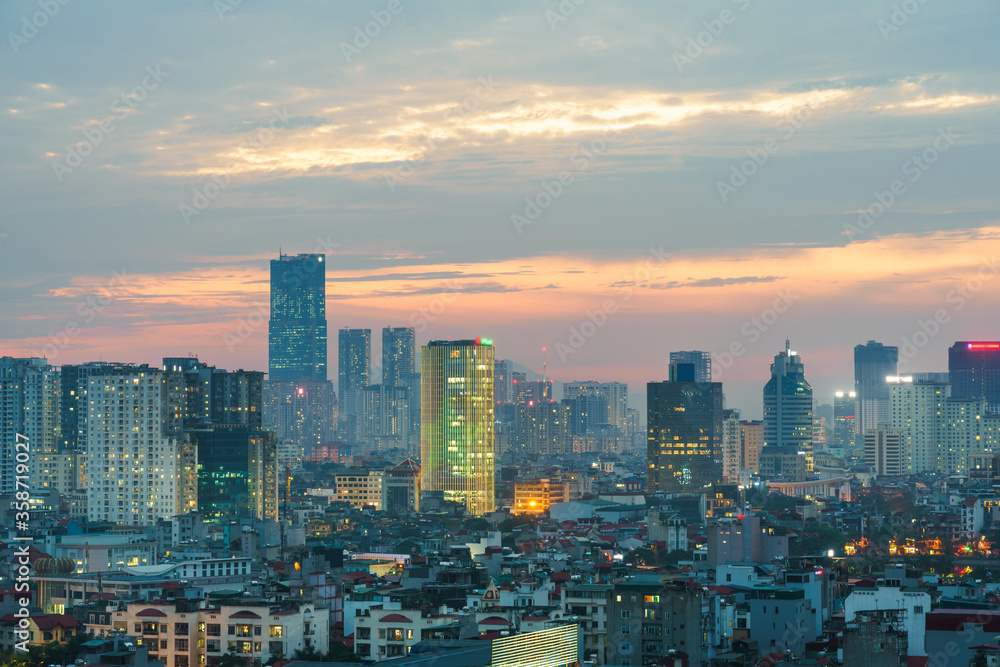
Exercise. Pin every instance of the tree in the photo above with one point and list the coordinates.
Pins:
(477, 523)
(340, 652)
(309, 654)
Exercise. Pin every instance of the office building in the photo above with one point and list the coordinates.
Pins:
(873, 363)
(884, 451)
(974, 371)
(731, 454)
(684, 450)
(297, 330)
(140, 465)
(535, 495)
(238, 472)
(788, 406)
(29, 412)
(354, 360)
(457, 418)
(702, 363)
(398, 355)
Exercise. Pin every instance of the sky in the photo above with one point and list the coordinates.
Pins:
(608, 180)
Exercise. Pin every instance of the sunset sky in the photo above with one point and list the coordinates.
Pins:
(512, 170)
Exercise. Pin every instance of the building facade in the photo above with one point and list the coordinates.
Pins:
(297, 336)
(354, 362)
(873, 363)
(788, 406)
(702, 363)
(457, 417)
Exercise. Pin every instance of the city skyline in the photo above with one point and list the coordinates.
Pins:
(867, 209)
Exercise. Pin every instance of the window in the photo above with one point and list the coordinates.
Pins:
(180, 644)
(652, 598)
(626, 629)
(214, 630)
(163, 643)
(181, 629)
(649, 613)
(624, 613)
(918, 609)
(276, 648)
(256, 630)
(276, 631)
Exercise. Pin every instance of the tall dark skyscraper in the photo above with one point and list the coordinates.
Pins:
(297, 330)
(844, 404)
(684, 446)
(702, 363)
(398, 355)
(354, 361)
(788, 406)
(873, 363)
(974, 371)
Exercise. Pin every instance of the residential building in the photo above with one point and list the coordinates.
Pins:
(751, 442)
(884, 451)
(354, 359)
(29, 413)
(649, 616)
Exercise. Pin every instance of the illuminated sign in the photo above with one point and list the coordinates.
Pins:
(896, 379)
(984, 346)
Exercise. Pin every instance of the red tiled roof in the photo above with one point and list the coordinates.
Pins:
(244, 614)
(494, 620)
(50, 621)
(154, 613)
(394, 618)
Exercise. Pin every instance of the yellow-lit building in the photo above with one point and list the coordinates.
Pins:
(535, 496)
(456, 414)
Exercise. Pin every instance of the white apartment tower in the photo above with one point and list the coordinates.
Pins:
(140, 466)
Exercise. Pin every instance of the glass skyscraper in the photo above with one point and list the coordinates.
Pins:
(702, 363)
(684, 445)
(974, 371)
(788, 406)
(297, 330)
(873, 363)
(457, 408)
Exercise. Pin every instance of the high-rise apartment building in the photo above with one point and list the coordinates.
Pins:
(884, 451)
(974, 371)
(297, 330)
(457, 418)
(544, 428)
(73, 379)
(844, 405)
(398, 355)
(386, 421)
(684, 447)
(503, 379)
(614, 394)
(873, 363)
(702, 363)
(788, 406)
(731, 458)
(29, 412)
(915, 409)
(751, 442)
(303, 412)
(215, 395)
(140, 465)
(354, 360)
